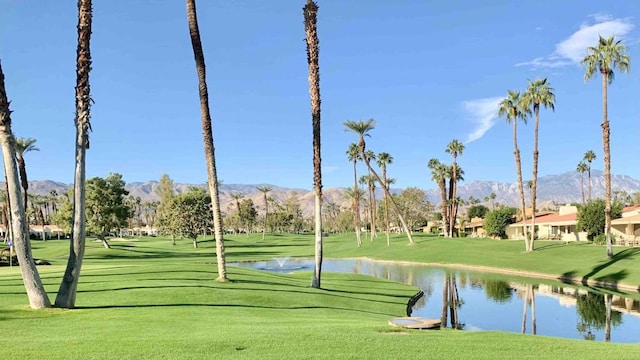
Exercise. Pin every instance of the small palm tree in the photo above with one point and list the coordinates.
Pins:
(207, 138)
(23, 146)
(608, 55)
(582, 168)
(362, 128)
(538, 93)
(371, 187)
(439, 175)
(514, 109)
(353, 154)
(385, 159)
(454, 148)
(265, 190)
(589, 156)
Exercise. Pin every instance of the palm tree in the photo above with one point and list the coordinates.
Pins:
(371, 186)
(582, 168)
(66, 297)
(589, 156)
(362, 128)
(385, 159)
(310, 11)
(492, 197)
(605, 57)
(23, 146)
(439, 175)
(454, 148)
(513, 109)
(265, 190)
(237, 196)
(36, 293)
(353, 154)
(538, 93)
(207, 137)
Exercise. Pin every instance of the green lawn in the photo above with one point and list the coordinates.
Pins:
(147, 299)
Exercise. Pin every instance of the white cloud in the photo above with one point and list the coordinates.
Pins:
(572, 49)
(483, 116)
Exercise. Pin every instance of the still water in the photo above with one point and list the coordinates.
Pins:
(477, 301)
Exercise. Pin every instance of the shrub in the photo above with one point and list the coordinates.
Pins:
(496, 221)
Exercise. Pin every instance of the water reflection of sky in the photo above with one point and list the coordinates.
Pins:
(555, 305)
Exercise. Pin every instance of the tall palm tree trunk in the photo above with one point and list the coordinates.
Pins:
(607, 166)
(356, 205)
(534, 181)
(207, 136)
(36, 293)
(393, 203)
(532, 303)
(589, 175)
(266, 212)
(582, 187)
(516, 152)
(453, 185)
(443, 197)
(525, 299)
(66, 297)
(310, 17)
(386, 205)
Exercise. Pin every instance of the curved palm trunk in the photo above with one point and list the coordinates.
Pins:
(22, 168)
(36, 293)
(516, 152)
(310, 17)
(454, 206)
(373, 211)
(393, 203)
(356, 205)
(207, 136)
(534, 181)
(606, 132)
(66, 297)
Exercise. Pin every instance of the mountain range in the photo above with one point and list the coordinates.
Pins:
(552, 190)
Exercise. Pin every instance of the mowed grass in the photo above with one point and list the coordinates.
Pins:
(146, 299)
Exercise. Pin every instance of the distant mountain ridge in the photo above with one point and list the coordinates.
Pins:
(559, 189)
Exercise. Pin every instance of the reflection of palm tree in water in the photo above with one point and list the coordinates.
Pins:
(529, 299)
(451, 302)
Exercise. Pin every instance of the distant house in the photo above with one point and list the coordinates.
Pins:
(551, 226)
(627, 228)
(475, 227)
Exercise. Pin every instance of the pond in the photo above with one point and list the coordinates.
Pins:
(477, 301)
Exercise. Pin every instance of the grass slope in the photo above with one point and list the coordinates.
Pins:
(147, 299)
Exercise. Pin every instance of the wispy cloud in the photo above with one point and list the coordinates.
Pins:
(483, 115)
(572, 49)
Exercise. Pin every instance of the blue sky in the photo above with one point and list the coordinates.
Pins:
(427, 71)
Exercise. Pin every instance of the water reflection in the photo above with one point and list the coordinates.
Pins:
(480, 301)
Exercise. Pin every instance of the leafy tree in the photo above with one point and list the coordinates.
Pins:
(166, 222)
(477, 211)
(64, 216)
(496, 221)
(192, 213)
(589, 156)
(207, 138)
(36, 292)
(66, 297)
(538, 93)
(248, 214)
(608, 55)
(362, 129)
(592, 310)
(514, 108)
(414, 206)
(106, 208)
(591, 217)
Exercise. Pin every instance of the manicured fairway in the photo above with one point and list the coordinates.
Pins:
(147, 299)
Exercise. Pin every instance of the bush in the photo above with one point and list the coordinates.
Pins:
(496, 221)
(591, 217)
(462, 234)
(600, 239)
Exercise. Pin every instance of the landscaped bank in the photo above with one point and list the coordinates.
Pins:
(148, 299)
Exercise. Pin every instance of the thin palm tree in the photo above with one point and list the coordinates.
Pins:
(353, 154)
(236, 197)
(66, 296)
(608, 55)
(207, 137)
(23, 146)
(371, 187)
(538, 93)
(385, 159)
(310, 12)
(265, 190)
(514, 109)
(362, 128)
(454, 148)
(582, 168)
(589, 156)
(439, 175)
(36, 292)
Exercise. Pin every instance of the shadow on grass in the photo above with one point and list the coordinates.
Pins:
(624, 254)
